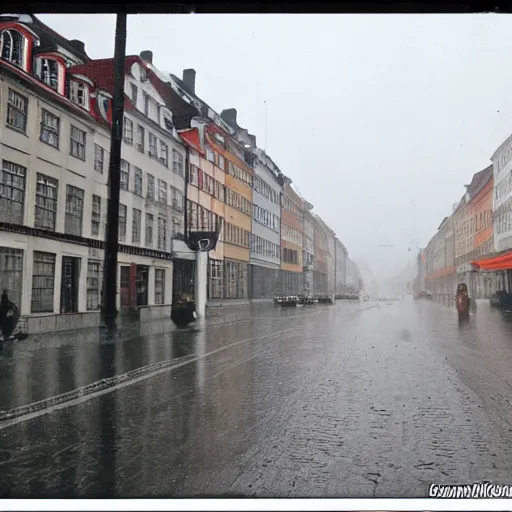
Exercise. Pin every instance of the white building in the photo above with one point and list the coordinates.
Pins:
(54, 143)
(502, 196)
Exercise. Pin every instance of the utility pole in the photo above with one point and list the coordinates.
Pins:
(109, 309)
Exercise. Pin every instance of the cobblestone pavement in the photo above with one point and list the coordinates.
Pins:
(352, 400)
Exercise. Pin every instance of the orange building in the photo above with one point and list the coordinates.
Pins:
(292, 209)
(229, 155)
(483, 241)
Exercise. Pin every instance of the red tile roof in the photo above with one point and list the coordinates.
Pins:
(55, 95)
(191, 138)
(101, 72)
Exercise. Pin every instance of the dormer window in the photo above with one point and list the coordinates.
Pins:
(168, 121)
(11, 43)
(143, 74)
(103, 106)
(47, 70)
(78, 94)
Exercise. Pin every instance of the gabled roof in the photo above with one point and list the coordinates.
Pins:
(479, 179)
(191, 138)
(40, 86)
(101, 71)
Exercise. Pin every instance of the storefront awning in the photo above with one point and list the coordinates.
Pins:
(442, 272)
(502, 262)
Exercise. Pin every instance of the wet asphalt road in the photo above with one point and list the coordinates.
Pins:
(352, 400)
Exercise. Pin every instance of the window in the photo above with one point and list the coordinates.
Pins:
(162, 234)
(77, 148)
(135, 91)
(74, 210)
(164, 154)
(43, 282)
(152, 145)
(219, 191)
(192, 174)
(136, 226)
(220, 161)
(125, 175)
(12, 42)
(99, 157)
(96, 215)
(50, 127)
(209, 155)
(177, 162)
(47, 70)
(149, 230)
(162, 191)
(177, 199)
(12, 192)
(122, 222)
(128, 131)
(11, 272)
(94, 278)
(151, 187)
(176, 226)
(215, 278)
(159, 286)
(46, 202)
(17, 106)
(141, 137)
(137, 181)
(77, 94)
(168, 121)
(145, 98)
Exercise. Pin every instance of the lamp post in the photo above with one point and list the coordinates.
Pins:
(109, 309)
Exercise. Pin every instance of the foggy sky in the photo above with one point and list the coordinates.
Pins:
(379, 120)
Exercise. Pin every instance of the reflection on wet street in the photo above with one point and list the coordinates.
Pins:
(352, 400)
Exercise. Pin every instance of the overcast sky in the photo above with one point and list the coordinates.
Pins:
(379, 120)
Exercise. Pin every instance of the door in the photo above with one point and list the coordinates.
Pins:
(125, 286)
(69, 284)
(142, 280)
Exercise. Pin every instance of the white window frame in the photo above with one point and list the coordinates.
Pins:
(22, 46)
(50, 127)
(99, 158)
(124, 184)
(75, 88)
(17, 110)
(78, 141)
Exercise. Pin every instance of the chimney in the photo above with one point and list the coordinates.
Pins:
(78, 45)
(229, 115)
(189, 80)
(147, 56)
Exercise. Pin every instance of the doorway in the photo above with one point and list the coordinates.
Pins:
(69, 284)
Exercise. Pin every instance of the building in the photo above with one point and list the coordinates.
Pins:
(265, 241)
(152, 172)
(292, 207)
(308, 239)
(265, 256)
(55, 168)
(324, 273)
(497, 267)
(353, 280)
(502, 172)
(341, 256)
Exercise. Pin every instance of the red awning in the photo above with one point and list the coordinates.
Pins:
(502, 262)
